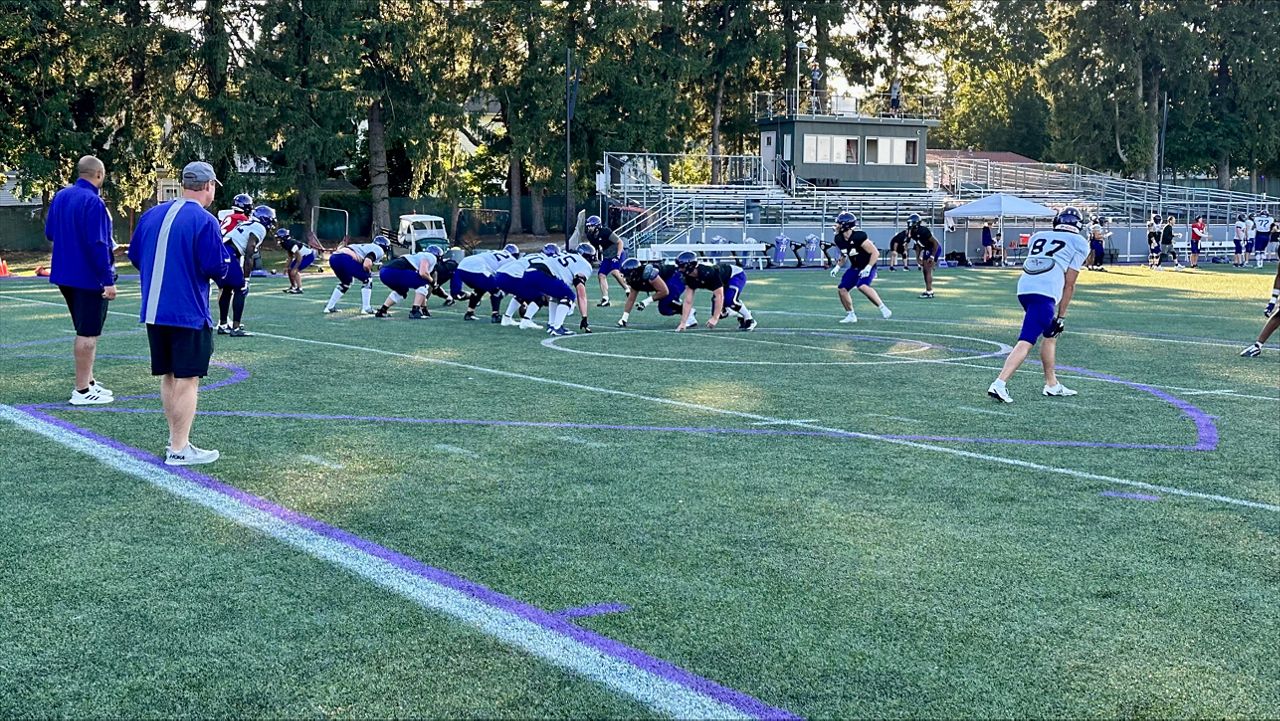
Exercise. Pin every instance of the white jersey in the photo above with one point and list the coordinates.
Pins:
(1240, 228)
(515, 267)
(1263, 224)
(1050, 254)
(415, 260)
(566, 266)
(1249, 230)
(485, 263)
(246, 236)
(364, 250)
(1095, 231)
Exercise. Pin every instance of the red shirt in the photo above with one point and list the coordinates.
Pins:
(232, 221)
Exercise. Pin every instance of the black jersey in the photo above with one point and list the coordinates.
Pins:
(637, 280)
(922, 235)
(852, 247)
(604, 242)
(899, 240)
(710, 277)
(290, 244)
(445, 269)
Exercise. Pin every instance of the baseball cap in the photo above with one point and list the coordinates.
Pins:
(199, 172)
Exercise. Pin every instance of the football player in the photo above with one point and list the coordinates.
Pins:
(525, 293)
(861, 255)
(241, 242)
(1098, 235)
(240, 208)
(1242, 226)
(898, 249)
(1048, 281)
(664, 285)
(571, 270)
(726, 283)
(929, 248)
(1199, 234)
(300, 256)
(1273, 321)
(1263, 225)
(479, 273)
(611, 252)
(1153, 242)
(410, 272)
(355, 262)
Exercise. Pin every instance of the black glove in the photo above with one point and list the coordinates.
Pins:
(584, 327)
(1056, 327)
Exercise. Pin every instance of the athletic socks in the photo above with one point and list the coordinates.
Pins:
(746, 314)
(626, 316)
(511, 307)
(557, 314)
(531, 311)
(224, 307)
(333, 299)
(366, 296)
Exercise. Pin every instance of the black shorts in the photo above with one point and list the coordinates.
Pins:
(88, 310)
(184, 352)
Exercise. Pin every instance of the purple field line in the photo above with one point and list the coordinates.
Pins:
(1130, 496)
(599, 609)
(543, 618)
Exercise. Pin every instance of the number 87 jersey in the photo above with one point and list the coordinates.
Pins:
(1050, 254)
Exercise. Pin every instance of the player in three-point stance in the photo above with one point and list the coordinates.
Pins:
(861, 255)
(610, 250)
(510, 280)
(1272, 314)
(1054, 259)
(300, 257)
(414, 272)
(929, 247)
(479, 273)
(241, 242)
(664, 284)
(355, 262)
(726, 283)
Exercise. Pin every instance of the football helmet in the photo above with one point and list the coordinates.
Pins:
(687, 261)
(586, 250)
(265, 214)
(242, 202)
(913, 220)
(849, 221)
(1067, 219)
(382, 242)
(511, 249)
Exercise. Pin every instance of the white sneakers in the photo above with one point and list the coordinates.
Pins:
(850, 317)
(94, 395)
(526, 324)
(507, 321)
(189, 456)
(998, 391)
(1059, 390)
(884, 311)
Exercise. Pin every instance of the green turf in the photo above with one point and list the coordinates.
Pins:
(833, 577)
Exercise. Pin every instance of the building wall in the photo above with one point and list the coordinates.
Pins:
(851, 174)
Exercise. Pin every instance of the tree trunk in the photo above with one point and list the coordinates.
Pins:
(1153, 120)
(536, 214)
(717, 111)
(216, 52)
(308, 190)
(379, 184)
(514, 191)
(1224, 170)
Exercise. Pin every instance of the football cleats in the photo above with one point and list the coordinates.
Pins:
(511, 249)
(913, 220)
(1067, 219)
(382, 242)
(687, 261)
(242, 202)
(551, 249)
(848, 221)
(265, 214)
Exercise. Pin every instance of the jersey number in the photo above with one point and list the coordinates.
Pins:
(1038, 246)
(1038, 260)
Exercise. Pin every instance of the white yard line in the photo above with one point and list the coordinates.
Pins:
(986, 411)
(317, 460)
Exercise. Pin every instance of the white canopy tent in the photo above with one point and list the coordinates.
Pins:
(997, 207)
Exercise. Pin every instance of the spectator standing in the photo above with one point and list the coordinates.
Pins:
(1199, 234)
(988, 243)
(83, 268)
(177, 248)
(895, 98)
(1167, 237)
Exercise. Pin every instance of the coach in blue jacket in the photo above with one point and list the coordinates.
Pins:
(79, 227)
(177, 249)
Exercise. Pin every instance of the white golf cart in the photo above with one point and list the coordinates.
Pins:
(419, 231)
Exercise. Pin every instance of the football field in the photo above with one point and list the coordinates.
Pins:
(445, 519)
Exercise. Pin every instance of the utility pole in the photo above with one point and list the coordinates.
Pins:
(571, 78)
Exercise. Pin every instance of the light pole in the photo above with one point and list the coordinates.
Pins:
(800, 47)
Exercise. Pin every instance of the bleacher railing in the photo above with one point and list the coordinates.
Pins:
(826, 103)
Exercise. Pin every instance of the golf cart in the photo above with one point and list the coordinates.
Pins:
(419, 231)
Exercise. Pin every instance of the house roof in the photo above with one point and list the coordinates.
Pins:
(995, 156)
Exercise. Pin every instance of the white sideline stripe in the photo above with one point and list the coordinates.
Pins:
(317, 460)
(894, 418)
(456, 450)
(756, 417)
(553, 647)
(752, 416)
(774, 423)
(986, 411)
(582, 442)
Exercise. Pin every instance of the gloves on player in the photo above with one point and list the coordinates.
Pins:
(864, 272)
(584, 327)
(1056, 327)
(835, 270)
